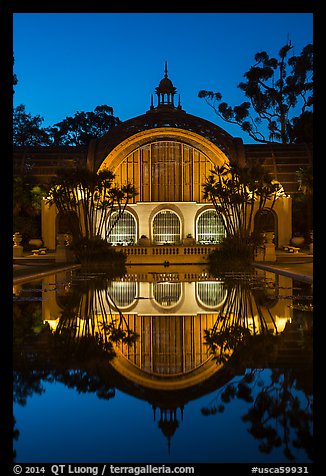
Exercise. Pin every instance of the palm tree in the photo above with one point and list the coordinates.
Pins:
(238, 193)
(92, 198)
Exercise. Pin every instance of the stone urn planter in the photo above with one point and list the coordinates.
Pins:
(144, 241)
(36, 242)
(311, 244)
(61, 239)
(269, 246)
(269, 237)
(63, 252)
(67, 239)
(297, 241)
(189, 241)
(17, 238)
(17, 247)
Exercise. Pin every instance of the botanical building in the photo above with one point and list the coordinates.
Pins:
(167, 154)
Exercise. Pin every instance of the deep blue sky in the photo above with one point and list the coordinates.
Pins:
(69, 62)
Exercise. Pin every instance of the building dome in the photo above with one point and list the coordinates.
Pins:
(166, 86)
(166, 91)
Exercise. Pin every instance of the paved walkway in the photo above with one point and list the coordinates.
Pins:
(296, 265)
(30, 267)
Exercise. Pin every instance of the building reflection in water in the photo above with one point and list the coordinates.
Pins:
(171, 313)
(173, 333)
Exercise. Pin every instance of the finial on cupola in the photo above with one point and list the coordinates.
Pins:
(166, 70)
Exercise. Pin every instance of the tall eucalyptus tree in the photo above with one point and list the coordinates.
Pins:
(279, 94)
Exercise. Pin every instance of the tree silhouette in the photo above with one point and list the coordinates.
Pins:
(27, 130)
(84, 126)
(276, 88)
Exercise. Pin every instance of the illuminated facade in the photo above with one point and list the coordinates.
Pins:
(167, 154)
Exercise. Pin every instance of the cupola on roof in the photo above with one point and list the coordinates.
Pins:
(165, 85)
(169, 120)
(165, 92)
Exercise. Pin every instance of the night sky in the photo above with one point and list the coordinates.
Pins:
(69, 62)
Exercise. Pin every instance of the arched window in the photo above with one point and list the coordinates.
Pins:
(210, 293)
(124, 231)
(167, 294)
(166, 227)
(122, 293)
(265, 221)
(210, 228)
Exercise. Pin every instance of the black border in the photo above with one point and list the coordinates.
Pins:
(7, 10)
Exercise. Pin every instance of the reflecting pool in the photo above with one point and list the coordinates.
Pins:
(163, 365)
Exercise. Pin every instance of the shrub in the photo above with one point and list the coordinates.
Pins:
(97, 251)
(232, 255)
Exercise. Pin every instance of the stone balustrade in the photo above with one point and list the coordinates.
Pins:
(169, 253)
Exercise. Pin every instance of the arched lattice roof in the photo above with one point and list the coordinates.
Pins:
(158, 119)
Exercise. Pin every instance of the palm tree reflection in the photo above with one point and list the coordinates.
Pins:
(279, 396)
(78, 350)
(241, 317)
(260, 362)
(91, 321)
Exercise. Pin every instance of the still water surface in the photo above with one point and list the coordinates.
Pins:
(163, 366)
